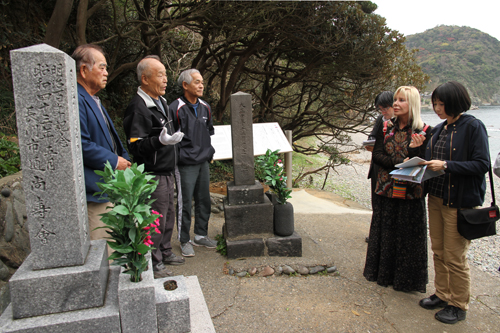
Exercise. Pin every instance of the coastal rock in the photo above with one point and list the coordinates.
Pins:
(331, 269)
(278, 271)
(288, 270)
(5, 192)
(242, 274)
(231, 271)
(9, 223)
(267, 271)
(252, 271)
(302, 270)
(4, 271)
(316, 269)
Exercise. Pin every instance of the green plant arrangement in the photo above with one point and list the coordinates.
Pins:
(221, 244)
(131, 221)
(10, 162)
(271, 170)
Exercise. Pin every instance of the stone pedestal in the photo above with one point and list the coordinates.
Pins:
(244, 194)
(249, 228)
(137, 303)
(103, 318)
(55, 290)
(172, 306)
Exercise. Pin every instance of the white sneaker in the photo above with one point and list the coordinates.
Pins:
(187, 249)
(204, 241)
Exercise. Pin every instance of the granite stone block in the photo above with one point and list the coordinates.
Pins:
(253, 219)
(245, 194)
(50, 146)
(137, 303)
(242, 139)
(201, 321)
(245, 248)
(55, 290)
(105, 318)
(172, 306)
(289, 246)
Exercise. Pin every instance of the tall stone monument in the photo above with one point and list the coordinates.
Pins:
(49, 140)
(65, 271)
(249, 228)
(65, 284)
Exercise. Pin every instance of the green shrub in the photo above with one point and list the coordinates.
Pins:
(221, 171)
(10, 161)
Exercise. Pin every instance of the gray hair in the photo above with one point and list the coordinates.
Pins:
(83, 56)
(143, 66)
(186, 76)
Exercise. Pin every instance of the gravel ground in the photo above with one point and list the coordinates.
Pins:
(350, 181)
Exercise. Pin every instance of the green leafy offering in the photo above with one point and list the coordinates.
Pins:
(271, 168)
(131, 222)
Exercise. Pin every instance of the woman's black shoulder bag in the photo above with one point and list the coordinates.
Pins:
(481, 222)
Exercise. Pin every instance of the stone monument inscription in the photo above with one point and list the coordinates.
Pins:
(49, 138)
(242, 138)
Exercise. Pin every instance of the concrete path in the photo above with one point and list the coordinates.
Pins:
(333, 231)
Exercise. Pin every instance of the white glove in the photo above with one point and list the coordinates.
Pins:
(166, 139)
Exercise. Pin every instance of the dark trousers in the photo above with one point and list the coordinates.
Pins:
(195, 182)
(164, 204)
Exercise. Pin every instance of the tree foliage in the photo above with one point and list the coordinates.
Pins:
(312, 66)
(463, 54)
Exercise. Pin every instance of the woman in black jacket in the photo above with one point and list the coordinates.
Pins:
(466, 169)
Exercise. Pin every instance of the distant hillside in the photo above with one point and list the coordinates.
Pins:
(463, 54)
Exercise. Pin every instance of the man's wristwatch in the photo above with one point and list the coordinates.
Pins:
(445, 165)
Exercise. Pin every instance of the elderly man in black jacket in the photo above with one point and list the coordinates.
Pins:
(151, 140)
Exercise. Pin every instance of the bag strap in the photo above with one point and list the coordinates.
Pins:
(461, 188)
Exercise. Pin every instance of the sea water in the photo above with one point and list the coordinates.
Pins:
(489, 115)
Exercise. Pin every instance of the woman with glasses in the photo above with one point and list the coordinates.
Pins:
(397, 247)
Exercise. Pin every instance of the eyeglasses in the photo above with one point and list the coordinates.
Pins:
(385, 109)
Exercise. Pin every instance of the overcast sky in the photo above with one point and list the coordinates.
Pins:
(411, 17)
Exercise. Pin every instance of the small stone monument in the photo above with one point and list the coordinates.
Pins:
(248, 227)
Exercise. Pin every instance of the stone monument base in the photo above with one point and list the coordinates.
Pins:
(242, 220)
(107, 317)
(182, 309)
(289, 246)
(55, 290)
(100, 319)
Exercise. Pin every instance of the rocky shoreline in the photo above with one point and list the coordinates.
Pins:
(350, 181)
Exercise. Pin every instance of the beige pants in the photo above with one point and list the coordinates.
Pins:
(452, 279)
(93, 211)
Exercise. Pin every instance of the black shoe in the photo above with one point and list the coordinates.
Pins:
(450, 315)
(432, 302)
(173, 260)
(367, 239)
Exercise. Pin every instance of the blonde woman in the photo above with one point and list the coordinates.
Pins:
(397, 247)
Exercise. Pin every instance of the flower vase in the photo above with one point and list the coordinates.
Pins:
(283, 219)
(137, 302)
